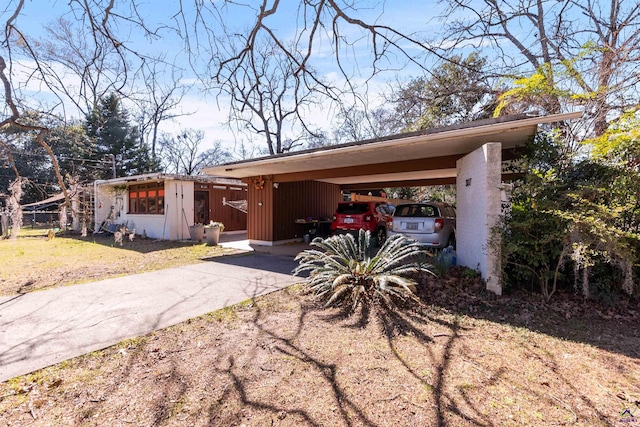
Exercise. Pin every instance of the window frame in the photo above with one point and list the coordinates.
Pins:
(148, 199)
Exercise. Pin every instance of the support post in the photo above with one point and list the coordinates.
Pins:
(478, 200)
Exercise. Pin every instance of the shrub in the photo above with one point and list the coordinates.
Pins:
(573, 223)
(345, 273)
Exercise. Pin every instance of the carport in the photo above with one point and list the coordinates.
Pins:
(303, 184)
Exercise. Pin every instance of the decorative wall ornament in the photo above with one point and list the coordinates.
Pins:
(258, 182)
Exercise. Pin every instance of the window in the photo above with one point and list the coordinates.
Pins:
(147, 198)
(383, 209)
(353, 208)
(420, 211)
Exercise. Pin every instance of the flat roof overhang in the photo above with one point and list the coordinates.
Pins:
(416, 158)
(160, 176)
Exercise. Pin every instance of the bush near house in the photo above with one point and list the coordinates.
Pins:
(574, 224)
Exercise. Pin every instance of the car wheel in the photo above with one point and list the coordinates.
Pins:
(381, 235)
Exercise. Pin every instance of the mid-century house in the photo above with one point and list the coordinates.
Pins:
(304, 184)
(164, 206)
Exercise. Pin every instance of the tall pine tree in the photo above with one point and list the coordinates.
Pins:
(109, 127)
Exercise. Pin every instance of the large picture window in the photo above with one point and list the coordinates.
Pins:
(147, 198)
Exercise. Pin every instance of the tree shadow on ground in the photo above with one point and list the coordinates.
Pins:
(567, 316)
(261, 261)
(442, 339)
(268, 368)
(446, 353)
(286, 344)
(392, 326)
(139, 244)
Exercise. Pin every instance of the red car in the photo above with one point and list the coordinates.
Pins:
(369, 216)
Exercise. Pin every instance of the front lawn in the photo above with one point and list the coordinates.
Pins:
(465, 359)
(32, 262)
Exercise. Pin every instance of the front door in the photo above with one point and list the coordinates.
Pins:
(201, 209)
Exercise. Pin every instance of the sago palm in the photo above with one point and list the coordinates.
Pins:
(344, 273)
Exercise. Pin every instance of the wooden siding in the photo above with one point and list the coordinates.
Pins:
(232, 218)
(409, 165)
(272, 212)
(260, 211)
(302, 199)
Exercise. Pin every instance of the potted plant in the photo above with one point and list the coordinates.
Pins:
(212, 232)
(197, 232)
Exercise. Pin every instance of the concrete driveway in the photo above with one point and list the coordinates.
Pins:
(42, 328)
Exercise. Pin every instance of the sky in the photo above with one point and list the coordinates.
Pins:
(207, 111)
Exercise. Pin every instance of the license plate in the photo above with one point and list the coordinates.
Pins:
(412, 226)
(348, 221)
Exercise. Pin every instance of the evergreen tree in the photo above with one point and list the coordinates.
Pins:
(74, 150)
(109, 127)
(22, 156)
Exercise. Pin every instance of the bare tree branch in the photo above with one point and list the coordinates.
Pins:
(589, 48)
(182, 153)
(269, 98)
(41, 132)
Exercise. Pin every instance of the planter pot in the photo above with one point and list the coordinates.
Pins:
(197, 233)
(213, 235)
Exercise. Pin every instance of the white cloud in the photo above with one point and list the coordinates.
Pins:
(210, 113)
(206, 116)
(35, 94)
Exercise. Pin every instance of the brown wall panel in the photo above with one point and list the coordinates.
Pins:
(302, 199)
(232, 218)
(260, 212)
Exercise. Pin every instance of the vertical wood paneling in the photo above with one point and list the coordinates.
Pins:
(272, 212)
(232, 218)
(260, 212)
(301, 199)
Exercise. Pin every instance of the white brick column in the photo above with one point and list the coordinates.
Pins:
(478, 202)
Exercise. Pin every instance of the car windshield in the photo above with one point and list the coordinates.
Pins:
(419, 211)
(353, 208)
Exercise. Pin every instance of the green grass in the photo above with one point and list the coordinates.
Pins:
(31, 263)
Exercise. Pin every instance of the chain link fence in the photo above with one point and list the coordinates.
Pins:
(49, 216)
(39, 219)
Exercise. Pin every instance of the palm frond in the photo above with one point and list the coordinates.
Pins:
(343, 272)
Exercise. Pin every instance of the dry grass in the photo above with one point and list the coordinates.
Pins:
(32, 262)
(464, 359)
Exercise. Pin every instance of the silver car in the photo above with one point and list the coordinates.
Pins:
(431, 223)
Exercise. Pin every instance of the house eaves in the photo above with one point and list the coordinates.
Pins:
(429, 154)
(159, 176)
